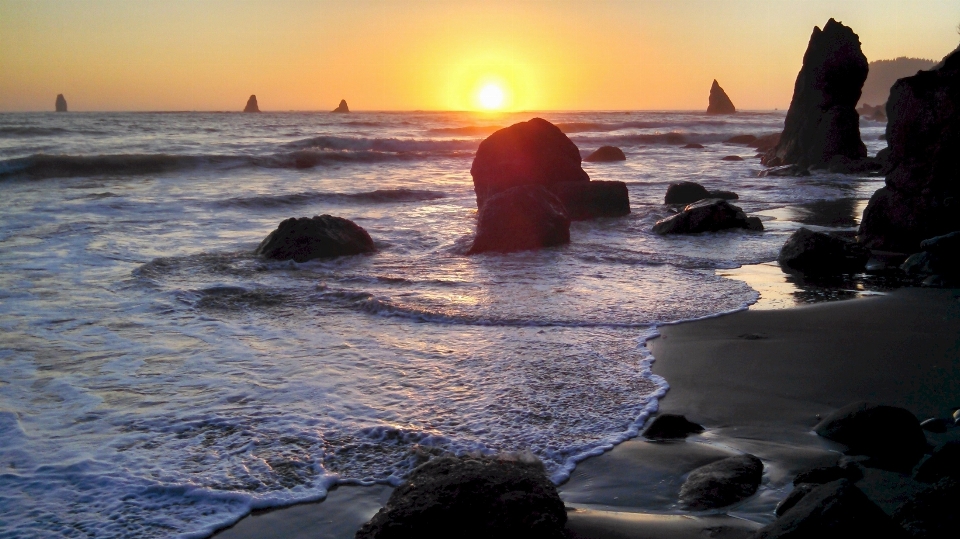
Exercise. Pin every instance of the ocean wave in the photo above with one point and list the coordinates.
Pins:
(602, 127)
(468, 130)
(386, 145)
(30, 131)
(380, 196)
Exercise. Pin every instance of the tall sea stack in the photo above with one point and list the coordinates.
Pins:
(342, 107)
(61, 103)
(719, 101)
(822, 121)
(922, 194)
(252, 105)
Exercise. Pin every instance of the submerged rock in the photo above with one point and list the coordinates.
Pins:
(721, 483)
(690, 192)
(606, 154)
(342, 107)
(535, 152)
(693, 146)
(519, 219)
(671, 426)
(323, 236)
(252, 105)
(589, 200)
(719, 101)
(61, 104)
(822, 120)
(932, 512)
(473, 498)
(732, 158)
(708, 215)
(816, 253)
(890, 436)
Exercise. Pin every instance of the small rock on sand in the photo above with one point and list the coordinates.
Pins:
(722, 483)
(671, 426)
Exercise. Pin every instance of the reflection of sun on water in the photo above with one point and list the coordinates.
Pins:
(491, 97)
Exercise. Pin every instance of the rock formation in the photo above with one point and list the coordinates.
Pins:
(605, 154)
(719, 102)
(690, 192)
(884, 73)
(252, 105)
(709, 215)
(342, 107)
(922, 194)
(816, 253)
(323, 236)
(589, 200)
(822, 120)
(522, 218)
(61, 105)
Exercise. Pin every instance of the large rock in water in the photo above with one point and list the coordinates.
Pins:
(922, 194)
(472, 498)
(535, 152)
(891, 436)
(816, 253)
(690, 192)
(822, 120)
(709, 215)
(589, 200)
(719, 102)
(252, 105)
(722, 483)
(323, 236)
(342, 107)
(606, 154)
(61, 105)
(519, 219)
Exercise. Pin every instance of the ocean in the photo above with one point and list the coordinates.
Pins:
(158, 380)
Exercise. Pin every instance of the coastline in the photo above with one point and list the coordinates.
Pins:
(757, 380)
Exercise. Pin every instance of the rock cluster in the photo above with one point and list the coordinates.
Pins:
(342, 107)
(817, 254)
(938, 262)
(708, 215)
(876, 113)
(252, 105)
(61, 105)
(324, 236)
(719, 101)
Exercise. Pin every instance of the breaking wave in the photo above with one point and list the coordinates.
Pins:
(380, 196)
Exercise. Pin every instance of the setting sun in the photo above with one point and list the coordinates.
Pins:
(491, 97)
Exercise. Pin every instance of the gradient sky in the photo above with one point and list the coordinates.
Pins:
(410, 54)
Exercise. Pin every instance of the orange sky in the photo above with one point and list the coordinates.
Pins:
(407, 55)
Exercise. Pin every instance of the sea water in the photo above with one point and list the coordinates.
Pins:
(157, 379)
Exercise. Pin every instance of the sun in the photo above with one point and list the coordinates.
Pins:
(491, 96)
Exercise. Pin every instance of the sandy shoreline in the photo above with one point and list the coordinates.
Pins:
(757, 380)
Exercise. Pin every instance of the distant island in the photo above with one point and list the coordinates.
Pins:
(883, 73)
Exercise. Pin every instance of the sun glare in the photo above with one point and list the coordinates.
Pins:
(491, 97)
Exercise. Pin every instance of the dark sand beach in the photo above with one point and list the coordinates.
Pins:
(757, 380)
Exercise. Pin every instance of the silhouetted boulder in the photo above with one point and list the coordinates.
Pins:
(944, 462)
(890, 436)
(822, 120)
(342, 107)
(671, 426)
(472, 498)
(605, 154)
(721, 483)
(939, 256)
(931, 513)
(323, 236)
(252, 105)
(589, 200)
(708, 215)
(521, 218)
(922, 194)
(719, 102)
(732, 158)
(61, 105)
(816, 253)
(690, 192)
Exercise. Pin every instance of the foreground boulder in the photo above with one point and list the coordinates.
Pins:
(519, 219)
(709, 215)
(816, 253)
(252, 105)
(922, 194)
(324, 236)
(473, 498)
(822, 120)
(690, 192)
(61, 104)
(939, 258)
(342, 107)
(721, 483)
(932, 512)
(719, 101)
(671, 426)
(944, 462)
(535, 152)
(890, 436)
(606, 154)
(589, 200)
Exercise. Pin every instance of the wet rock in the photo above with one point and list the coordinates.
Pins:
(798, 492)
(842, 164)
(671, 426)
(708, 215)
(940, 257)
(323, 236)
(834, 510)
(61, 104)
(719, 101)
(827, 474)
(932, 512)
(693, 146)
(690, 192)
(944, 462)
(519, 219)
(606, 154)
(765, 143)
(535, 152)
(589, 200)
(922, 193)
(816, 253)
(936, 425)
(252, 105)
(342, 107)
(890, 436)
(721, 483)
(732, 158)
(474, 498)
(785, 170)
(822, 120)
(741, 139)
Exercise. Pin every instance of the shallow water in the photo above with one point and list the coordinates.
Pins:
(156, 379)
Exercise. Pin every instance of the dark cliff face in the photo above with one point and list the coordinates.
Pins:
(922, 194)
(823, 121)
(719, 101)
(252, 105)
(61, 105)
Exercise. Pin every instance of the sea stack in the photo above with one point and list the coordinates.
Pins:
(342, 107)
(719, 101)
(822, 121)
(252, 105)
(61, 103)
(922, 194)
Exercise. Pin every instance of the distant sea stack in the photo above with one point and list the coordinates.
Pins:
(61, 103)
(252, 105)
(719, 101)
(342, 107)
(822, 121)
